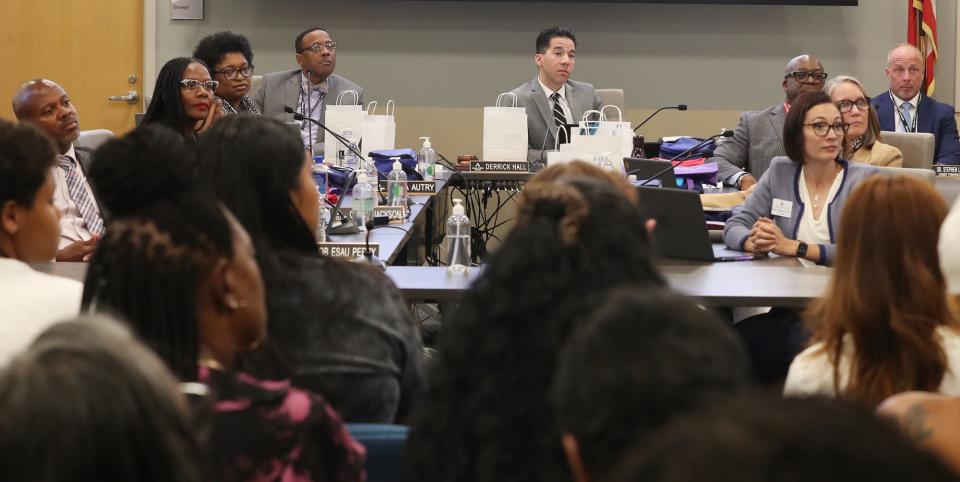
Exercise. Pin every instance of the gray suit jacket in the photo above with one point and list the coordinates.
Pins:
(783, 182)
(281, 89)
(757, 139)
(85, 159)
(580, 96)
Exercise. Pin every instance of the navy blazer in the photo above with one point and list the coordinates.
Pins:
(935, 118)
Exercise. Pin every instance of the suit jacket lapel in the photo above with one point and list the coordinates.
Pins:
(776, 121)
(925, 111)
(540, 98)
(291, 92)
(884, 107)
(576, 106)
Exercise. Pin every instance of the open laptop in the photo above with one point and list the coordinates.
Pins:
(646, 168)
(681, 230)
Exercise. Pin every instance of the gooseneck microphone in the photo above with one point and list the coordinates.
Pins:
(674, 162)
(300, 117)
(677, 107)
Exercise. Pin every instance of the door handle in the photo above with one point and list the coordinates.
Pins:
(131, 98)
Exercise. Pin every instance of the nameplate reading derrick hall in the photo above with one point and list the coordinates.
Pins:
(420, 188)
(946, 170)
(500, 166)
(393, 213)
(347, 250)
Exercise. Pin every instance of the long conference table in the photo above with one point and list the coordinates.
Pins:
(772, 281)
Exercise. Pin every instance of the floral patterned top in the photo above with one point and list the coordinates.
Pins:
(266, 431)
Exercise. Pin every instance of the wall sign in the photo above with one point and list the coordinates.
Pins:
(186, 9)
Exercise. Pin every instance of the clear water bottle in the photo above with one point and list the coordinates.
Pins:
(397, 186)
(427, 160)
(349, 160)
(363, 202)
(458, 239)
(323, 218)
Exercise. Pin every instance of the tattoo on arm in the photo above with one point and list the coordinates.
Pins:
(914, 425)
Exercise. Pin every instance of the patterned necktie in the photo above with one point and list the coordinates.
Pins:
(907, 118)
(558, 116)
(78, 192)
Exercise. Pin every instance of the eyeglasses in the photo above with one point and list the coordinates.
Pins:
(231, 73)
(802, 75)
(317, 47)
(822, 128)
(847, 105)
(193, 85)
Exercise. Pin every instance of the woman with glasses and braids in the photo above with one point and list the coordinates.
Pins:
(863, 131)
(180, 269)
(231, 59)
(794, 211)
(183, 99)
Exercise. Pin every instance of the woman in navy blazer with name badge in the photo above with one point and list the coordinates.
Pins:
(796, 206)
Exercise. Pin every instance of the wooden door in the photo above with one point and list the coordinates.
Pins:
(91, 48)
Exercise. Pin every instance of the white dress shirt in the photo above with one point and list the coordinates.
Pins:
(563, 100)
(72, 226)
(311, 107)
(914, 102)
(31, 302)
(816, 231)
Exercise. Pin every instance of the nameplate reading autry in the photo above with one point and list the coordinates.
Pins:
(347, 250)
(420, 188)
(500, 166)
(393, 213)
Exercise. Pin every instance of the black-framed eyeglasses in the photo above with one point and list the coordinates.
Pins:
(822, 128)
(193, 85)
(231, 73)
(847, 105)
(802, 75)
(316, 47)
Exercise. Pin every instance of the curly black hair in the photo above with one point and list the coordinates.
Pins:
(213, 47)
(26, 156)
(486, 415)
(643, 357)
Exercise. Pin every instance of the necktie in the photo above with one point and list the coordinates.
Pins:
(905, 108)
(558, 116)
(78, 192)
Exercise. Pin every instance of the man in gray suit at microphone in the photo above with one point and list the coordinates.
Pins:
(758, 137)
(308, 89)
(552, 99)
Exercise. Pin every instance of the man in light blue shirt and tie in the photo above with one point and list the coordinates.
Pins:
(904, 108)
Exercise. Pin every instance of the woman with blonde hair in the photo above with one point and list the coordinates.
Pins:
(884, 325)
(863, 134)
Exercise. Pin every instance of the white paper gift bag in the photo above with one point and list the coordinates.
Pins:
(379, 131)
(339, 117)
(505, 131)
(608, 141)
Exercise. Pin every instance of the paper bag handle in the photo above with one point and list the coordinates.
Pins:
(556, 138)
(586, 115)
(356, 96)
(372, 107)
(511, 94)
(391, 107)
(619, 112)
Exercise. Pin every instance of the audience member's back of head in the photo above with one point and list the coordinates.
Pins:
(88, 402)
(253, 164)
(487, 415)
(760, 439)
(643, 357)
(166, 235)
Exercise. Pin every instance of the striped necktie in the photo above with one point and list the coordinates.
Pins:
(80, 196)
(558, 116)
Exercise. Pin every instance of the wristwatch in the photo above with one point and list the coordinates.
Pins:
(802, 250)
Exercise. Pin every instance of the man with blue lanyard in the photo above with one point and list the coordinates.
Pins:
(904, 108)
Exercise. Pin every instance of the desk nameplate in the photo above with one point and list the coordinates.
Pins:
(396, 214)
(347, 250)
(500, 166)
(416, 188)
(946, 170)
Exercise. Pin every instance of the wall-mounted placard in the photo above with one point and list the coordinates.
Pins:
(186, 9)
